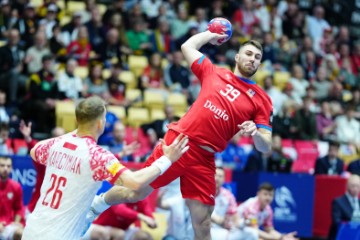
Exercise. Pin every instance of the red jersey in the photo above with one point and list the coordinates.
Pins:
(123, 215)
(11, 203)
(225, 101)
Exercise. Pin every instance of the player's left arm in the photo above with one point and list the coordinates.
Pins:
(260, 128)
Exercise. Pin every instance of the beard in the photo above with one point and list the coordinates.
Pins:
(246, 71)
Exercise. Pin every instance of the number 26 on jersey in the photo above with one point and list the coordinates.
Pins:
(230, 92)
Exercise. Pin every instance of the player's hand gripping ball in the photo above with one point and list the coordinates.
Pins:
(221, 26)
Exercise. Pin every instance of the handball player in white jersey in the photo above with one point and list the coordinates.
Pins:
(75, 168)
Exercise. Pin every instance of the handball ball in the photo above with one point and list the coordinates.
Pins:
(220, 26)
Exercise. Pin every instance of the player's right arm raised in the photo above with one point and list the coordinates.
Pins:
(143, 177)
(191, 47)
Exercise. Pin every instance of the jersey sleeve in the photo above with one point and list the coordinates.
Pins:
(264, 114)
(202, 67)
(42, 151)
(104, 165)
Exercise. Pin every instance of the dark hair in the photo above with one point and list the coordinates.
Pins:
(266, 186)
(334, 144)
(46, 58)
(89, 110)
(253, 43)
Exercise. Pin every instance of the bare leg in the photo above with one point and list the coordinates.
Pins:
(201, 219)
(119, 194)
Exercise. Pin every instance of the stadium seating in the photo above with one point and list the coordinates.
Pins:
(119, 111)
(65, 115)
(281, 79)
(137, 116)
(137, 64)
(129, 79)
(135, 96)
(178, 101)
(153, 99)
(157, 114)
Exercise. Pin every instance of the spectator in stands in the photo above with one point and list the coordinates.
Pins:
(5, 15)
(139, 41)
(80, 47)
(11, 207)
(6, 147)
(117, 87)
(180, 26)
(284, 53)
(293, 24)
(95, 28)
(115, 223)
(269, 50)
(304, 124)
(310, 66)
(316, 25)
(200, 20)
(153, 76)
(325, 123)
(5, 112)
(43, 93)
(117, 6)
(346, 75)
(298, 82)
(110, 51)
(224, 216)
(346, 208)
(136, 15)
(177, 77)
(331, 164)
(322, 84)
(118, 23)
(94, 84)
(345, 57)
(354, 167)
(151, 10)
(117, 145)
(234, 156)
(50, 20)
(283, 120)
(69, 85)
(70, 31)
(244, 18)
(274, 161)
(257, 213)
(11, 66)
(330, 63)
(348, 128)
(277, 97)
(161, 39)
(179, 220)
(34, 54)
(57, 45)
(356, 59)
(27, 25)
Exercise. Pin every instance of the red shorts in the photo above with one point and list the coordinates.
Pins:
(196, 169)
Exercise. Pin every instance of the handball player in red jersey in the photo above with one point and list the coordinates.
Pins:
(228, 102)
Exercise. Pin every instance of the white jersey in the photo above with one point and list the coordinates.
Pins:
(75, 167)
